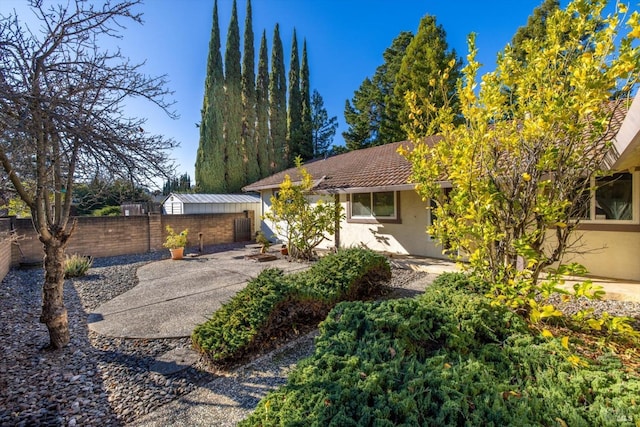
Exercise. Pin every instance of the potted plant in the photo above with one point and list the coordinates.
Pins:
(176, 242)
(262, 239)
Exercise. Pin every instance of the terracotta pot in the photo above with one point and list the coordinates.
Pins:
(284, 251)
(177, 253)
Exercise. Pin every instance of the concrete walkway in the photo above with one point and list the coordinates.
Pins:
(172, 297)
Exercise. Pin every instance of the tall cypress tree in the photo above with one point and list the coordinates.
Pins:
(210, 165)
(294, 119)
(306, 139)
(233, 106)
(265, 154)
(278, 103)
(252, 168)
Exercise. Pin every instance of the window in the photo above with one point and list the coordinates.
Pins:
(614, 197)
(374, 205)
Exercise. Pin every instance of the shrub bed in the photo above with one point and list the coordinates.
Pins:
(445, 358)
(274, 305)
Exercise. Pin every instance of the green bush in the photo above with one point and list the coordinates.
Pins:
(108, 211)
(77, 265)
(445, 358)
(273, 304)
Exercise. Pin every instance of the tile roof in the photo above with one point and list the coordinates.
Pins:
(215, 198)
(374, 167)
(382, 166)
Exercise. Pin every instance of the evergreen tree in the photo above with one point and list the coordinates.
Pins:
(306, 139)
(210, 160)
(363, 115)
(535, 28)
(391, 129)
(372, 114)
(179, 184)
(233, 107)
(252, 168)
(323, 127)
(426, 58)
(278, 103)
(294, 117)
(263, 143)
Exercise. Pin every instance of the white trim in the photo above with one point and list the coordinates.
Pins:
(372, 216)
(635, 204)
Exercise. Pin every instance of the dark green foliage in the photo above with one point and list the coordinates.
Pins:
(445, 358)
(425, 59)
(278, 104)
(108, 211)
(323, 128)
(362, 116)
(77, 265)
(372, 113)
(306, 138)
(263, 141)
(249, 141)
(105, 193)
(210, 159)
(273, 304)
(294, 119)
(178, 184)
(233, 111)
(535, 29)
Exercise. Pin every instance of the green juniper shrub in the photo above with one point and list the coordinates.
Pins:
(273, 305)
(445, 358)
(348, 274)
(77, 265)
(237, 323)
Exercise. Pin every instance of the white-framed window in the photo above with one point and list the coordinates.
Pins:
(379, 205)
(614, 199)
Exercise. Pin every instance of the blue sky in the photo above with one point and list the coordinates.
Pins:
(345, 42)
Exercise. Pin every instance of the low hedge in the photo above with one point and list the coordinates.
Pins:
(445, 358)
(275, 305)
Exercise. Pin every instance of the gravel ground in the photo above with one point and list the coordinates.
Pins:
(102, 381)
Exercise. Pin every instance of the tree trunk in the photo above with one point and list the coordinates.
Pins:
(54, 313)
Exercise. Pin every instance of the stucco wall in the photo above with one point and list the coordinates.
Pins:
(407, 237)
(614, 254)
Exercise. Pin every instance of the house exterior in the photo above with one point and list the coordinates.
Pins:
(384, 213)
(610, 236)
(183, 204)
(382, 210)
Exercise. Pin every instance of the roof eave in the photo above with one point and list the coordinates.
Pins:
(627, 140)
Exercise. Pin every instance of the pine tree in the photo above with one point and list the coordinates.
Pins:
(233, 106)
(362, 114)
(278, 103)
(294, 119)
(210, 161)
(425, 60)
(252, 168)
(263, 142)
(306, 139)
(372, 114)
(323, 127)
